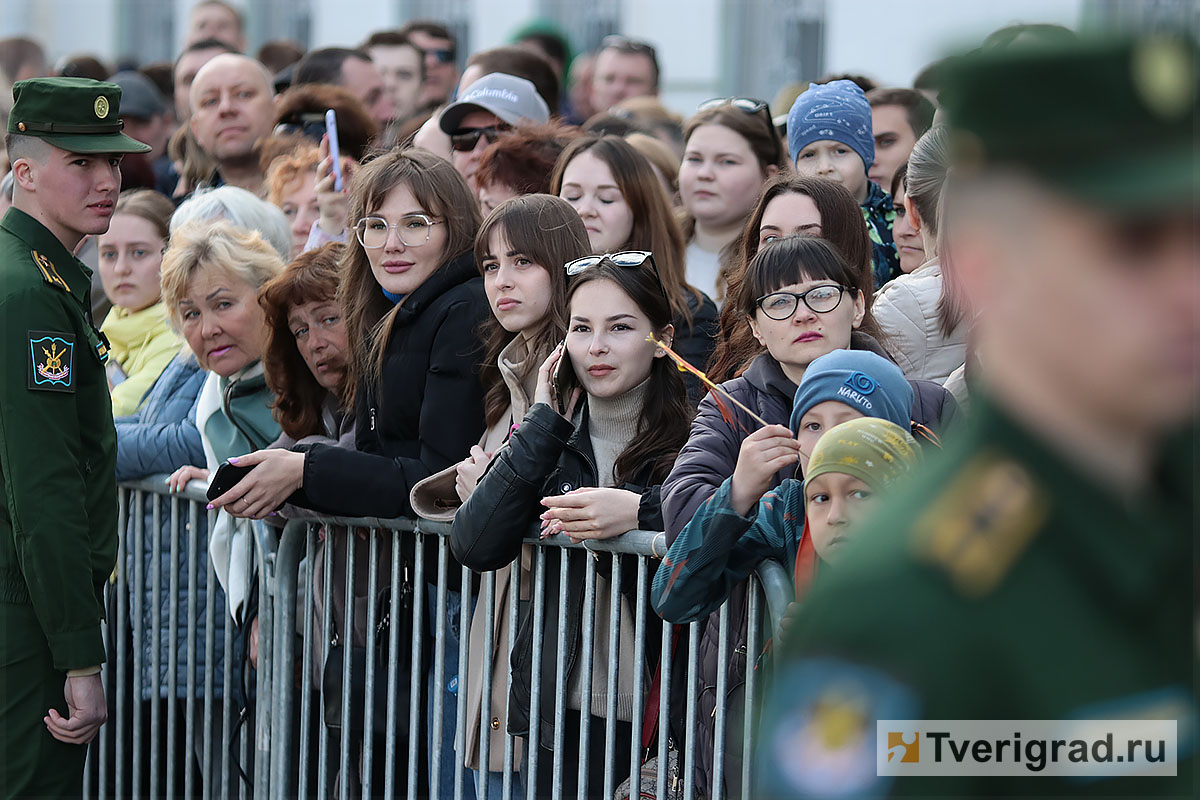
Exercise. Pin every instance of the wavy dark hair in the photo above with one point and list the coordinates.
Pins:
(793, 259)
(310, 277)
(842, 225)
(441, 192)
(666, 414)
(654, 226)
(549, 232)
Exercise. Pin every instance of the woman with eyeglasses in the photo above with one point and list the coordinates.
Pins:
(623, 206)
(730, 150)
(609, 415)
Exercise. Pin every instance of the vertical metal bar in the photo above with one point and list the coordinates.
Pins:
(438, 682)
(664, 710)
(224, 757)
(510, 742)
(172, 645)
(614, 640)
(639, 670)
(753, 630)
(211, 706)
(326, 636)
(372, 654)
(414, 680)
(261, 547)
(139, 624)
(244, 736)
(718, 787)
(689, 746)
(189, 711)
(123, 550)
(393, 688)
(347, 649)
(586, 659)
(487, 665)
(560, 677)
(538, 598)
(306, 643)
(460, 695)
(154, 636)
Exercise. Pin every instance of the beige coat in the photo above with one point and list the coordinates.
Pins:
(906, 309)
(435, 498)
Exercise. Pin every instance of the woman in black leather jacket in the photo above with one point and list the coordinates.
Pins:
(592, 472)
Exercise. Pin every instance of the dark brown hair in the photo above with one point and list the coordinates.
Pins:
(654, 226)
(842, 225)
(523, 158)
(279, 53)
(441, 192)
(310, 277)
(523, 63)
(666, 415)
(356, 129)
(917, 108)
(549, 233)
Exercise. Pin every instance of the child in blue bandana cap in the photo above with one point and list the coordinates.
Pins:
(830, 136)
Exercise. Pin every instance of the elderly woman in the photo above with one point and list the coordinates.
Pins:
(243, 209)
(211, 276)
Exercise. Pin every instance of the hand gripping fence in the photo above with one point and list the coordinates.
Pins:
(189, 716)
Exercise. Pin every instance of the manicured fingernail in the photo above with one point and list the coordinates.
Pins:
(232, 460)
(209, 507)
(274, 513)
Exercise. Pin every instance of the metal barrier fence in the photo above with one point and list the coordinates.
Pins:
(404, 625)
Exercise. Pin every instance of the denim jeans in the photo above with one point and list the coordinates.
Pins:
(447, 684)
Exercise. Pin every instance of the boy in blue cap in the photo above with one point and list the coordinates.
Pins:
(830, 136)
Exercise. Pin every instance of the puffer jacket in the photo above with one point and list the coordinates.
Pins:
(546, 455)
(906, 310)
(159, 439)
(695, 342)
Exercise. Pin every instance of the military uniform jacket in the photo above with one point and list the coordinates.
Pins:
(1003, 583)
(58, 522)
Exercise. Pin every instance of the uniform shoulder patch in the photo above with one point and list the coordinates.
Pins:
(981, 523)
(51, 361)
(49, 273)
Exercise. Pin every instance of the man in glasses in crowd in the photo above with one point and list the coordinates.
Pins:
(624, 68)
(493, 104)
(441, 59)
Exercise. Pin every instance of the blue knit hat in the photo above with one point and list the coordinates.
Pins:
(860, 379)
(837, 110)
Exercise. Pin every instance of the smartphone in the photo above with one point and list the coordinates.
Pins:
(228, 476)
(335, 152)
(564, 380)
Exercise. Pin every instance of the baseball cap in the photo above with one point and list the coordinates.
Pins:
(79, 115)
(139, 96)
(510, 98)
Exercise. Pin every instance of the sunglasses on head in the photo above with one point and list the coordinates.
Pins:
(630, 259)
(310, 126)
(464, 140)
(748, 105)
(627, 45)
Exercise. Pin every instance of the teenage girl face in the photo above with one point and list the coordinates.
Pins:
(130, 258)
(807, 335)
(720, 178)
(222, 321)
(589, 186)
(818, 419)
(518, 289)
(787, 215)
(907, 236)
(834, 505)
(398, 267)
(834, 161)
(606, 339)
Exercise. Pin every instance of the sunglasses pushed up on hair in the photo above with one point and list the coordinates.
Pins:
(752, 106)
(630, 259)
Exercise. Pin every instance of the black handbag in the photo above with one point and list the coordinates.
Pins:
(332, 672)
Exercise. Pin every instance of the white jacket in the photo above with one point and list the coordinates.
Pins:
(906, 309)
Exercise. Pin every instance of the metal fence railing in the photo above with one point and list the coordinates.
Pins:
(358, 619)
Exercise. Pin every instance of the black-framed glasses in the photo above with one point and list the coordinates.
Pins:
(820, 299)
(310, 126)
(464, 140)
(413, 230)
(631, 259)
(753, 106)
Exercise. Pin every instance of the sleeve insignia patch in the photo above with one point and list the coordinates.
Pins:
(49, 273)
(51, 361)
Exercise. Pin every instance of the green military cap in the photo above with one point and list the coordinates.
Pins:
(76, 114)
(1109, 122)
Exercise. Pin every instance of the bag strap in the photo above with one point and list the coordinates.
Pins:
(650, 718)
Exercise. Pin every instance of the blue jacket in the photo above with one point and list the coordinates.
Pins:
(159, 439)
(878, 212)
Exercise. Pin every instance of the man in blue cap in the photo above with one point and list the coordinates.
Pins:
(58, 521)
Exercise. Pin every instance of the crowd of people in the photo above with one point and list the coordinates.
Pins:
(464, 297)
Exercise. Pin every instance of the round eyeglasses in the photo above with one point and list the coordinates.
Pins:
(413, 230)
(820, 299)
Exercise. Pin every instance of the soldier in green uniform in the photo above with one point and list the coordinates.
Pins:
(58, 520)
(1044, 567)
